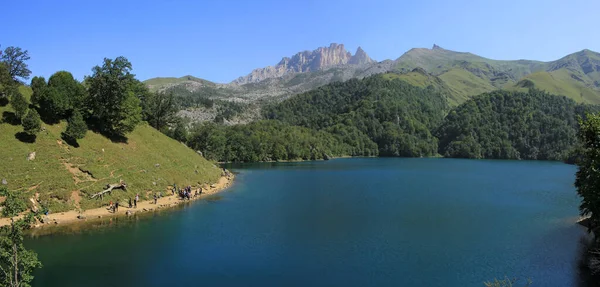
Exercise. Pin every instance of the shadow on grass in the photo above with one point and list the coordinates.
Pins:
(95, 127)
(69, 140)
(3, 101)
(25, 137)
(10, 118)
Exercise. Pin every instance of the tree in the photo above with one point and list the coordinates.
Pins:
(19, 104)
(15, 58)
(6, 81)
(32, 123)
(159, 110)
(76, 127)
(16, 262)
(38, 86)
(53, 105)
(179, 132)
(112, 99)
(71, 90)
(587, 180)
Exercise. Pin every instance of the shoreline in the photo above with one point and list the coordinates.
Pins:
(73, 217)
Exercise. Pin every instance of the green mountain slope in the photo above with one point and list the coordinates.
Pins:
(64, 176)
(576, 76)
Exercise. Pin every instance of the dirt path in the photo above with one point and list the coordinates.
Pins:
(73, 216)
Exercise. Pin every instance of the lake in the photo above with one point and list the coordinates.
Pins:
(344, 222)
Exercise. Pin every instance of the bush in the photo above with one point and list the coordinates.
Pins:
(76, 127)
(32, 123)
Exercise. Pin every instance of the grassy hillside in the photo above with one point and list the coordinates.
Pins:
(65, 176)
(576, 76)
(161, 82)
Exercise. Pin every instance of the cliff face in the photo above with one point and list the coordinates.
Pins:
(308, 61)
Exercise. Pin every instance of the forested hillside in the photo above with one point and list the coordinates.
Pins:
(395, 115)
(512, 125)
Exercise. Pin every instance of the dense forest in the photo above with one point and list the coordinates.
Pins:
(512, 125)
(376, 116)
(395, 115)
(271, 141)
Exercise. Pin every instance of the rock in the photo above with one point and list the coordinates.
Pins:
(31, 156)
(128, 213)
(144, 209)
(154, 183)
(308, 61)
(99, 216)
(199, 152)
(55, 222)
(81, 216)
(157, 165)
(213, 186)
(4, 182)
(326, 157)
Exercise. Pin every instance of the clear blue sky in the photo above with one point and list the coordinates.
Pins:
(221, 40)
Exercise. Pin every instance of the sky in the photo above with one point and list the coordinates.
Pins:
(222, 40)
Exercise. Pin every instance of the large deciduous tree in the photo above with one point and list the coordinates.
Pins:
(112, 97)
(15, 59)
(16, 262)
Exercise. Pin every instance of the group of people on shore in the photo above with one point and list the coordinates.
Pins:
(184, 193)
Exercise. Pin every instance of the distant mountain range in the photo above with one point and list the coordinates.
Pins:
(460, 75)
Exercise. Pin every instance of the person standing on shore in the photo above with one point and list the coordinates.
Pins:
(155, 198)
(117, 206)
(137, 197)
(130, 203)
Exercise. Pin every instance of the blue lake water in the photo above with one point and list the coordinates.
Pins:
(345, 222)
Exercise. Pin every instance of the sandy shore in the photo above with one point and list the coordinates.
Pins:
(74, 216)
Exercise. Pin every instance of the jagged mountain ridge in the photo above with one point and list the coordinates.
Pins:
(308, 61)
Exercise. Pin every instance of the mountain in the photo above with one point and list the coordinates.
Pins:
(458, 75)
(63, 177)
(308, 61)
(575, 76)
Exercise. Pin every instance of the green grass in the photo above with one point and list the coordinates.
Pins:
(464, 84)
(60, 169)
(562, 82)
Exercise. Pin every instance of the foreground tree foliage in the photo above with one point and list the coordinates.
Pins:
(587, 183)
(113, 102)
(512, 125)
(16, 262)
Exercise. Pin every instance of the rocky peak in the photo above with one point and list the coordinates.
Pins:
(308, 61)
(360, 57)
(436, 47)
